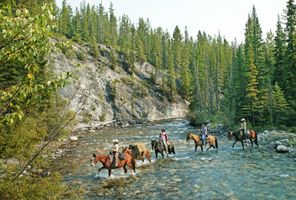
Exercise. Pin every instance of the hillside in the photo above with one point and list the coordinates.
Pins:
(113, 95)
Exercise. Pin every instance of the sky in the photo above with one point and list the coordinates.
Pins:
(227, 17)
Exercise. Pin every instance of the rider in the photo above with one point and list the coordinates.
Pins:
(114, 151)
(163, 139)
(204, 133)
(243, 127)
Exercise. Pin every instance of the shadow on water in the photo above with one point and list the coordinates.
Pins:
(227, 173)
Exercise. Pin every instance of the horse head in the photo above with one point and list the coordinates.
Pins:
(189, 136)
(94, 160)
(230, 135)
(153, 144)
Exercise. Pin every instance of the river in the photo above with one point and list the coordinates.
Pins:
(256, 173)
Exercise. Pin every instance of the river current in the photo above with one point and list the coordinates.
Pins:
(226, 173)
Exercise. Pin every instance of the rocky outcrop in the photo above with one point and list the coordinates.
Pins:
(280, 141)
(108, 96)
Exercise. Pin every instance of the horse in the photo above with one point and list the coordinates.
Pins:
(106, 161)
(238, 136)
(159, 148)
(140, 151)
(211, 140)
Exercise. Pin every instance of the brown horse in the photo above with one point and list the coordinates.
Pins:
(140, 151)
(211, 140)
(107, 162)
(238, 136)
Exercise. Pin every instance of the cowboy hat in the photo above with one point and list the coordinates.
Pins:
(115, 140)
(243, 119)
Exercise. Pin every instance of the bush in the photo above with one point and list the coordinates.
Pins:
(80, 56)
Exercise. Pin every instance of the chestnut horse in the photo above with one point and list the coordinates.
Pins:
(211, 140)
(238, 136)
(107, 162)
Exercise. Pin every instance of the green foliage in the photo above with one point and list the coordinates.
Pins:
(30, 111)
(213, 75)
(80, 56)
(33, 188)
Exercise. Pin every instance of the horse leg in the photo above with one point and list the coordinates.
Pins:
(195, 147)
(124, 168)
(210, 147)
(133, 166)
(156, 154)
(201, 147)
(251, 142)
(109, 171)
(148, 156)
(256, 142)
(162, 154)
(100, 169)
(256, 139)
(174, 150)
(243, 145)
(234, 143)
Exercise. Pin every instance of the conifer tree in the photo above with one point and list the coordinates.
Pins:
(290, 75)
(279, 54)
(185, 77)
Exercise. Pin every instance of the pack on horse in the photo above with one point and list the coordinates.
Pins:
(106, 161)
(238, 136)
(211, 140)
(159, 148)
(140, 151)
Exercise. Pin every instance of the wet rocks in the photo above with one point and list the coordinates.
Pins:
(73, 138)
(282, 149)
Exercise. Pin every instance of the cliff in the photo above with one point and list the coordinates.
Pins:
(106, 95)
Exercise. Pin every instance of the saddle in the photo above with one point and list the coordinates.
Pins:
(121, 156)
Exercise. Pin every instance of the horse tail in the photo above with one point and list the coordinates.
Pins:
(216, 142)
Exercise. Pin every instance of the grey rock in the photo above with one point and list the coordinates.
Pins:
(282, 149)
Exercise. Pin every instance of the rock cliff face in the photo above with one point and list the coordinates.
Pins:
(107, 95)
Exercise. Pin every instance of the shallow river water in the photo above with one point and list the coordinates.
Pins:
(256, 173)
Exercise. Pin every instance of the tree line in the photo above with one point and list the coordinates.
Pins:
(254, 79)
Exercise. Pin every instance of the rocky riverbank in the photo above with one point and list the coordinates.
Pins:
(279, 141)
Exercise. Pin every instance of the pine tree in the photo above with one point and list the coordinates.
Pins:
(172, 76)
(279, 54)
(280, 105)
(65, 18)
(252, 87)
(185, 71)
(290, 75)
(176, 48)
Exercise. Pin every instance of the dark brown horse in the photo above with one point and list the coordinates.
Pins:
(159, 148)
(211, 140)
(238, 136)
(106, 161)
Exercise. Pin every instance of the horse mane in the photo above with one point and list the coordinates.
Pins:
(128, 151)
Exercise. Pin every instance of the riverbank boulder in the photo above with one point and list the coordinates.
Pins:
(73, 138)
(282, 149)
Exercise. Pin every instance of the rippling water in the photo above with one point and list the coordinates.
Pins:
(255, 173)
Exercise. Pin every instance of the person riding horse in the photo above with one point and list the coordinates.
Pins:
(114, 152)
(163, 139)
(204, 133)
(243, 128)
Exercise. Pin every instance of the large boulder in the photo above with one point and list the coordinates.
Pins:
(282, 149)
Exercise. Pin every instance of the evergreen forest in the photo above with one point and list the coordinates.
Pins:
(222, 80)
